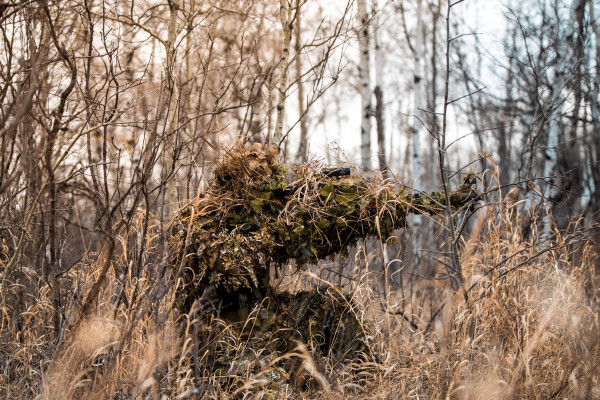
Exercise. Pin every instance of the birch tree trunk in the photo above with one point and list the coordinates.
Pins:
(416, 124)
(595, 106)
(172, 114)
(365, 84)
(285, 15)
(188, 101)
(573, 153)
(379, 84)
(435, 10)
(302, 156)
(551, 157)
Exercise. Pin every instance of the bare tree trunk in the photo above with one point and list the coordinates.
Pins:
(436, 10)
(551, 152)
(188, 103)
(302, 155)
(455, 255)
(379, 84)
(554, 129)
(365, 84)
(416, 123)
(567, 202)
(172, 114)
(285, 15)
(505, 134)
(417, 168)
(595, 107)
(57, 122)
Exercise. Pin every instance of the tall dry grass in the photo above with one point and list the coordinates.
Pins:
(530, 330)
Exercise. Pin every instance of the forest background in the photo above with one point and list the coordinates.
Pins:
(114, 112)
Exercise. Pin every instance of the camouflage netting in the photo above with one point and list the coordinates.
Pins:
(250, 219)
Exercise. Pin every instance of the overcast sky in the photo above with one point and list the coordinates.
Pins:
(483, 17)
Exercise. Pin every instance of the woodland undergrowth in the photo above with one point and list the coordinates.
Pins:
(530, 328)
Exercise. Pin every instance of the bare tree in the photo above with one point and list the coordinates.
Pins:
(546, 71)
(378, 91)
(416, 120)
(364, 72)
(302, 155)
(286, 16)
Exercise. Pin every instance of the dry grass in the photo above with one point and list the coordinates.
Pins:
(530, 331)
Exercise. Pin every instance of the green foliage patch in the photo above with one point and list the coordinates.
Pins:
(250, 218)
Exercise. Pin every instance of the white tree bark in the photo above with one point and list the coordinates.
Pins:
(302, 155)
(418, 78)
(435, 12)
(379, 85)
(365, 84)
(172, 115)
(285, 15)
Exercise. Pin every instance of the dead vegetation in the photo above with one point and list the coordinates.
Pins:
(529, 330)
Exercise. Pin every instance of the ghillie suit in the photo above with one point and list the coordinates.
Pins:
(250, 219)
